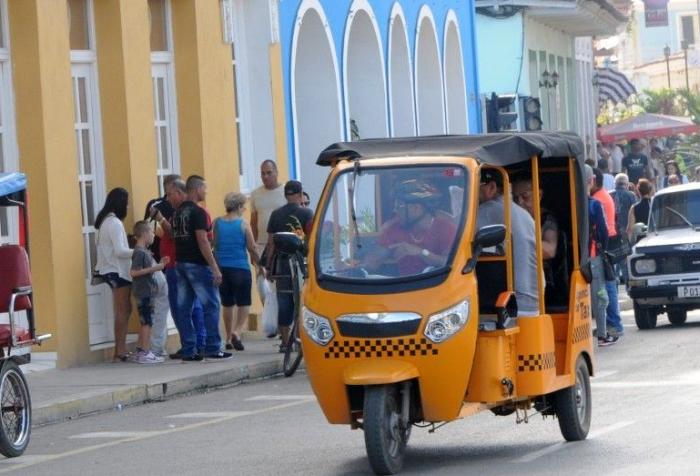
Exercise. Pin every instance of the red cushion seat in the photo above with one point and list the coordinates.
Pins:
(21, 333)
(14, 273)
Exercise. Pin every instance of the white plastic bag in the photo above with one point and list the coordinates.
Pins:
(269, 315)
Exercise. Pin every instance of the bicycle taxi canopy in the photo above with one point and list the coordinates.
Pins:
(12, 182)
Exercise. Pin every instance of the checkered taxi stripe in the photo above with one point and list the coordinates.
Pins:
(582, 332)
(348, 349)
(536, 362)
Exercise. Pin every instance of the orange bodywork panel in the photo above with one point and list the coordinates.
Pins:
(377, 372)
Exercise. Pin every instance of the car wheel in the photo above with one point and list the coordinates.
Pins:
(645, 317)
(677, 317)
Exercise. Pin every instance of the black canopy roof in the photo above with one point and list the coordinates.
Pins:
(502, 149)
(495, 149)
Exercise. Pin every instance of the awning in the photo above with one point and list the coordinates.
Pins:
(612, 85)
(12, 182)
(647, 125)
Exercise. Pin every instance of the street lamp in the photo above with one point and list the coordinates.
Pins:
(667, 54)
(684, 47)
(549, 81)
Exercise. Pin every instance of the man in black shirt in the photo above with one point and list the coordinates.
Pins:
(635, 164)
(162, 205)
(198, 275)
(297, 219)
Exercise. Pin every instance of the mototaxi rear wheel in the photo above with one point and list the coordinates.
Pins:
(15, 411)
(385, 435)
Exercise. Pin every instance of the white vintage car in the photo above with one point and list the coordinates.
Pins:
(664, 267)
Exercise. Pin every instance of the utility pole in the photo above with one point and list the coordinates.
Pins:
(684, 45)
(667, 54)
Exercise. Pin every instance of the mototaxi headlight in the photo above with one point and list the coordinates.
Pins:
(445, 324)
(318, 328)
(645, 266)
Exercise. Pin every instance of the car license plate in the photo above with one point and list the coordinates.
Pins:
(688, 291)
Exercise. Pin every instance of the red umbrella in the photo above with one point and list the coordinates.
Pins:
(647, 125)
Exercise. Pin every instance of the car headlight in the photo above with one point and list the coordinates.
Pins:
(445, 324)
(318, 328)
(645, 266)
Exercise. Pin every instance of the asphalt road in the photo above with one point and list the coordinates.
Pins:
(646, 421)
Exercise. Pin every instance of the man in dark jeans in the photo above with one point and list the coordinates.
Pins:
(297, 219)
(198, 275)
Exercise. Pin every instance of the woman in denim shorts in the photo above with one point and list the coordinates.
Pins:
(114, 263)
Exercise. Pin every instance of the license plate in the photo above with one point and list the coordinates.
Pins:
(688, 291)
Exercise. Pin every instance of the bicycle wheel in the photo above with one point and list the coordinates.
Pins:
(293, 352)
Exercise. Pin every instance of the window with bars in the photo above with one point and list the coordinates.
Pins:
(688, 29)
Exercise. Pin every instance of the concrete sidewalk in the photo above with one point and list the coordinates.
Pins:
(59, 395)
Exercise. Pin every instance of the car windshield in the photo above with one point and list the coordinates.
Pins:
(676, 210)
(405, 222)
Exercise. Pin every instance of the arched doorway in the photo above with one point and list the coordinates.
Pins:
(400, 78)
(429, 93)
(315, 95)
(455, 86)
(365, 88)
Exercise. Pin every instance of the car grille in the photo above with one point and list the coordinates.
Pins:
(678, 263)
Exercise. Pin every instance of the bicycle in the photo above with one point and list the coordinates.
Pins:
(289, 247)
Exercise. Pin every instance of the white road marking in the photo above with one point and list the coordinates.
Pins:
(557, 446)
(24, 459)
(604, 373)
(112, 434)
(143, 436)
(646, 384)
(276, 398)
(210, 415)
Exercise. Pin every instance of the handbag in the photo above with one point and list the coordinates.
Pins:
(618, 249)
(96, 278)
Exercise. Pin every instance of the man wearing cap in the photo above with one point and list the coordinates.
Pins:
(297, 219)
(416, 237)
(490, 212)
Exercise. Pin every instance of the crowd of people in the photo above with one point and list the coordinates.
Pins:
(196, 268)
(621, 187)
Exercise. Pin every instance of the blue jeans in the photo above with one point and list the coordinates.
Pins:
(599, 296)
(197, 311)
(612, 311)
(197, 281)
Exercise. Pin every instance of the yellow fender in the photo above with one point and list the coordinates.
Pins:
(378, 372)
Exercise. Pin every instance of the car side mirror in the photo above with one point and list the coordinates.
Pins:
(287, 242)
(486, 236)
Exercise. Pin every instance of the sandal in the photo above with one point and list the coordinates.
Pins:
(121, 358)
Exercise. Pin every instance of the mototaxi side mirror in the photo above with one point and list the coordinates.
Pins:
(287, 242)
(486, 236)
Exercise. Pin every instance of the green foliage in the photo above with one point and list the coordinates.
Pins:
(663, 101)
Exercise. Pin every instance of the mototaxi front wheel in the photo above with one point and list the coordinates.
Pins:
(15, 411)
(573, 405)
(385, 434)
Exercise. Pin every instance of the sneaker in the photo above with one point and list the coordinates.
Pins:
(229, 346)
(236, 343)
(193, 358)
(148, 358)
(607, 341)
(177, 355)
(219, 356)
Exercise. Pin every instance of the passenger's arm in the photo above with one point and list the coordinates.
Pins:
(250, 245)
(549, 244)
(630, 223)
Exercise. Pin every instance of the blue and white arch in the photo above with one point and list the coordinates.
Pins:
(374, 68)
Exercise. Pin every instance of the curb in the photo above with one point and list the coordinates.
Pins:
(72, 408)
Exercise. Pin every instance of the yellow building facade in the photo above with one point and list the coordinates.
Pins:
(97, 94)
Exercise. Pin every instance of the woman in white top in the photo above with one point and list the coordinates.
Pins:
(114, 263)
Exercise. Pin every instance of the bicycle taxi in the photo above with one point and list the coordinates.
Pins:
(17, 333)
(407, 325)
